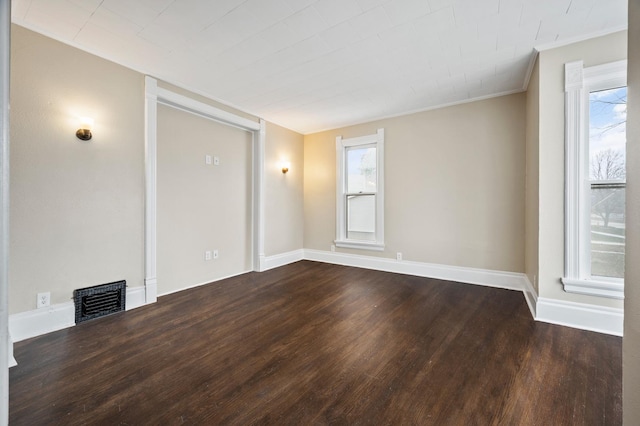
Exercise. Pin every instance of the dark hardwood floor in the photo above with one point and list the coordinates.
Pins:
(316, 344)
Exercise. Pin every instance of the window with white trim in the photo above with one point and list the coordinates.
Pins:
(595, 178)
(360, 192)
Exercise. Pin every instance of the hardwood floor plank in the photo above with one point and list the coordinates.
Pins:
(317, 344)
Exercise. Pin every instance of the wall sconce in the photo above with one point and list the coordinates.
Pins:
(285, 166)
(84, 132)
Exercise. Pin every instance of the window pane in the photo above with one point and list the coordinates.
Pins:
(607, 231)
(361, 217)
(607, 141)
(361, 170)
(607, 134)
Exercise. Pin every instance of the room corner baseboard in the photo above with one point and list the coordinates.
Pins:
(596, 318)
(484, 277)
(282, 259)
(530, 295)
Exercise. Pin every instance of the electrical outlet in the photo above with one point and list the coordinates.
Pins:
(207, 159)
(215, 254)
(216, 161)
(398, 256)
(207, 255)
(44, 300)
(333, 247)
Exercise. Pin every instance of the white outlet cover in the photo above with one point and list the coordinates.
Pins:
(215, 254)
(207, 159)
(216, 161)
(207, 255)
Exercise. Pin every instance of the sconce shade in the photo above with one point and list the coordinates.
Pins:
(84, 132)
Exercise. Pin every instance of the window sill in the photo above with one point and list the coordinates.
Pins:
(360, 245)
(613, 289)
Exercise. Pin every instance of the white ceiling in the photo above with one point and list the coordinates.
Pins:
(317, 64)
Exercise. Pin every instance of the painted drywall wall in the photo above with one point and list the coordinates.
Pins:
(76, 207)
(631, 341)
(532, 176)
(284, 206)
(454, 185)
(609, 48)
(202, 207)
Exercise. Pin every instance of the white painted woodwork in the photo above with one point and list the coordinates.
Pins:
(579, 82)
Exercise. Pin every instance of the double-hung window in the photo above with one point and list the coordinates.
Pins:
(596, 99)
(360, 192)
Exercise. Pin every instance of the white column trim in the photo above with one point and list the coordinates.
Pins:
(259, 143)
(6, 346)
(151, 153)
(574, 179)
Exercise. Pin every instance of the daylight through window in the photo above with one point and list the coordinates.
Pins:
(360, 198)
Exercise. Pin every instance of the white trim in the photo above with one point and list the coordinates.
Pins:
(26, 325)
(186, 104)
(362, 245)
(257, 211)
(6, 346)
(530, 296)
(613, 289)
(580, 315)
(136, 297)
(282, 259)
(12, 360)
(485, 277)
(341, 240)
(579, 82)
(155, 95)
(150, 211)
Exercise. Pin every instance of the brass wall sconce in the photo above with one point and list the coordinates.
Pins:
(285, 166)
(84, 132)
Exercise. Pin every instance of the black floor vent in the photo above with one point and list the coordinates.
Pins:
(100, 300)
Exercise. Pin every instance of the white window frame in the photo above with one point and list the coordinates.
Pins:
(579, 83)
(341, 240)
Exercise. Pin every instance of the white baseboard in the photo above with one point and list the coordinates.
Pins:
(26, 325)
(488, 278)
(203, 283)
(579, 315)
(151, 290)
(275, 261)
(530, 295)
(12, 360)
(136, 297)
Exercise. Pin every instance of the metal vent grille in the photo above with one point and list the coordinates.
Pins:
(100, 300)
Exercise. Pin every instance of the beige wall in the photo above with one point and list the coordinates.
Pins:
(283, 192)
(596, 51)
(454, 180)
(532, 176)
(631, 341)
(202, 207)
(76, 207)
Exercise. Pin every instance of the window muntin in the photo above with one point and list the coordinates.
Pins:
(359, 192)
